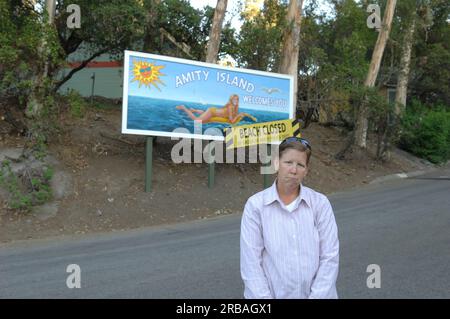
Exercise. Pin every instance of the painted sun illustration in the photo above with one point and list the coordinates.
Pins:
(147, 73)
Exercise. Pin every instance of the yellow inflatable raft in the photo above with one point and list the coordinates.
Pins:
(218, 119)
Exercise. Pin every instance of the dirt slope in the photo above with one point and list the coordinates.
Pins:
(106, 170)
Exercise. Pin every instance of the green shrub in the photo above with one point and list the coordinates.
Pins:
(426, 132)
(77, 104)
(48, 173)
(21, 196)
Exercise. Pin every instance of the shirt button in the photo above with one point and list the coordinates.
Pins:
(293, 236)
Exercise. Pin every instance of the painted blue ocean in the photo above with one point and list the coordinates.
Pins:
(161, 115)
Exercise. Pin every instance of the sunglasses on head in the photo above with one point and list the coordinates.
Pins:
(297, 139)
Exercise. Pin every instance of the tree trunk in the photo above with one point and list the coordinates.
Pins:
(34, 105)
(291, 41)
(50, 6)
(361, 125)
(151, 29)
(402, 81)
(216, 29)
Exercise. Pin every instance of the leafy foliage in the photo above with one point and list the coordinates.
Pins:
(426, 132)
(27, 188)
(260, 38)
(77, 104)
(22, 32)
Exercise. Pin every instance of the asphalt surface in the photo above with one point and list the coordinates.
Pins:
(402, 225)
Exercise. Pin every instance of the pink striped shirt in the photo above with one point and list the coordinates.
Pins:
(289, 253)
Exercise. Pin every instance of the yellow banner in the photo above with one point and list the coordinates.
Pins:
(261, 133)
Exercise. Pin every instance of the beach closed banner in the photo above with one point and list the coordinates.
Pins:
(164, 96)
(262, 133)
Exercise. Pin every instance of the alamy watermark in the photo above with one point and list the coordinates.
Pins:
(374, 279)
(74, 279)
(74, 19)
(213, 151)
(374, 20)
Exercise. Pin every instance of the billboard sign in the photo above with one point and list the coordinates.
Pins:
(165, 96)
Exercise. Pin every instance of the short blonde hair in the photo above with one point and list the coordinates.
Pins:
(295, 144)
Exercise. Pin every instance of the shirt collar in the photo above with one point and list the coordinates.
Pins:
(271, 195)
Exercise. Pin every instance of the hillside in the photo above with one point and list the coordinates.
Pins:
(99, 174)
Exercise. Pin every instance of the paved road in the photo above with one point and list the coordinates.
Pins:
(403, 226)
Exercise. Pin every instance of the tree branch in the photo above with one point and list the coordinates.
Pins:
(78, 68)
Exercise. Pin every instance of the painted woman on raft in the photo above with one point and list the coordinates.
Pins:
(227, 114)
